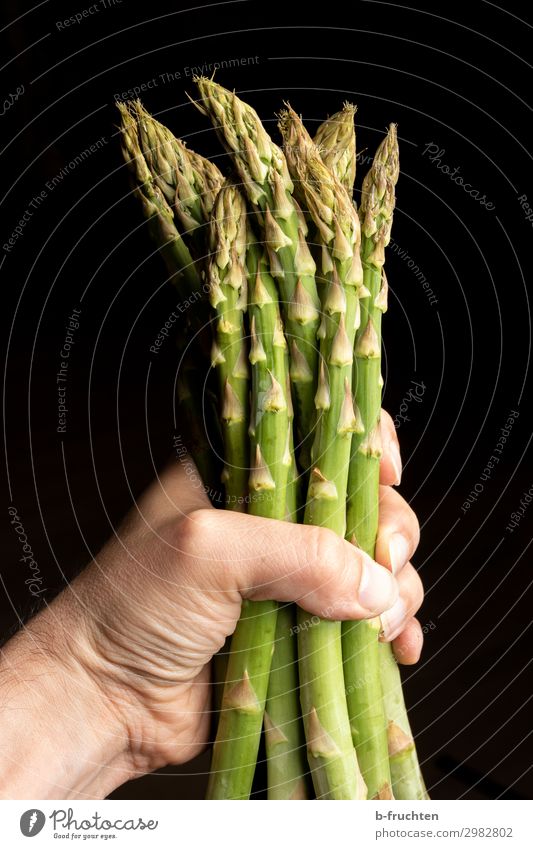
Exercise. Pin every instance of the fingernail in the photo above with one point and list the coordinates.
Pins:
(396, 460)
(378, 589)
(393, 620)
(399, 549)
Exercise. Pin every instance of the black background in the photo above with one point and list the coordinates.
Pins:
(455, 78)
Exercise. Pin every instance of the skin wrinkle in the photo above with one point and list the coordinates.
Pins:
(139, 735)
(160, 645)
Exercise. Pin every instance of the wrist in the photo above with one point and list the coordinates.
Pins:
(62, 738)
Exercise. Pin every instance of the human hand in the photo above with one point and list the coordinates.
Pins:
(133, 636)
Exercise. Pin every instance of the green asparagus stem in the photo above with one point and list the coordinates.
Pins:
(226, 275)
(365, 704)
(407, 779)
(284, 738)
(377, 204)
(262, 167)
(360, 639)
(243, 702)
(157, 210)
(183, 272)
(376, 214)
(330, 749)
(189, 182)
(335, 140)
(162, 225)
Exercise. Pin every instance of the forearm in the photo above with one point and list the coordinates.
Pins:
(60, 738)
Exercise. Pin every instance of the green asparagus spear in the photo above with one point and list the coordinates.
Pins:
(189, 182)
(262, 167)
(377, 205)
(360, 639)
(407, 779)
(226, 275)
(284, 736)
(157, 210)
(335, 140)
(243, 701)
(330, 749)
(287, 767)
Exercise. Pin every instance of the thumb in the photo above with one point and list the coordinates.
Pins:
(258, 559)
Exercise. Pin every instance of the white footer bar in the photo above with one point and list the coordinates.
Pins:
(266, 825)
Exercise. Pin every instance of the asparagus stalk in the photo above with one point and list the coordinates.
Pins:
(407, 779)
(330, 749)
(360, 639)
(226, 275)
(189, 182)
(243, 701)
(182, 270)
(262, 167)
(376, 735)
(284, 737)
(377, 206)
(335, 140)
(157, 210)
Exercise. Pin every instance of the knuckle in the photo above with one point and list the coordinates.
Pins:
(327, 553)
(193, 529)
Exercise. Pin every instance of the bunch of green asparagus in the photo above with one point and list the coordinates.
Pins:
(286, 273)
